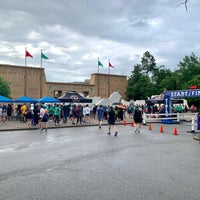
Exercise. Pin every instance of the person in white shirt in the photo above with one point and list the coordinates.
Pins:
(86, 113)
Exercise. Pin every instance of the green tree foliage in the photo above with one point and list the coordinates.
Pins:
(189, 68)
(147, 79)
(4, 88)
(161, 79)
(148, 64)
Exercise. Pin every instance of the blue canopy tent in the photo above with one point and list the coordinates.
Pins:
(5, 99)
(25, 99)
(48, 99)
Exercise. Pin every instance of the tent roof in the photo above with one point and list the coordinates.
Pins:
(25, 99)
(5, 99)
(48, 99)
(75, 97)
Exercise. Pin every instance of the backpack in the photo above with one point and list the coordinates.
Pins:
(46, 116)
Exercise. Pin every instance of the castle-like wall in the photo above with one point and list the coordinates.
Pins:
(31, 81)
(24, 81)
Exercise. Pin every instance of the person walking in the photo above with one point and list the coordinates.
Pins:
(111, 121)
(79, 114)
(29, 116)
(44, 120)
(57, 112)
(86, 111)
(100, 114)
(137, 117)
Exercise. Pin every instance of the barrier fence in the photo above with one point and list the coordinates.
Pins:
(174, 118)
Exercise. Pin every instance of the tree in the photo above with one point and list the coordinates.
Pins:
(148, 64)
(140, 85)
(4, 88)
(185, 4)
(134, 78)
(189, 68)
(162, 79)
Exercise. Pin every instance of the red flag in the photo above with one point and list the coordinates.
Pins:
(110, 65)
(28, 54)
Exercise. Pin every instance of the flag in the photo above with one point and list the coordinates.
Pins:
(100, 64)
(110, 65)
(28, 54)
(44, 56)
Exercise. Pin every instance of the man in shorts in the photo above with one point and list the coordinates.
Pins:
(111, 121)
(137, 117)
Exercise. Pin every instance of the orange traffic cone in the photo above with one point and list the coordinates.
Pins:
(132, 124)
(150, 127)
(124, 122)
(175, 131)
(161, 129)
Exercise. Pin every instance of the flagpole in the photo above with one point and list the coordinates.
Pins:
(41, 74)
(108, 79)
(98, 79)
(25, 76)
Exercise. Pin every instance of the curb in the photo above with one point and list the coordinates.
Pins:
(57, 127)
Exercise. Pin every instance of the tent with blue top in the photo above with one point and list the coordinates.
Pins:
(25, 99)
(5, 99)
(48, 99)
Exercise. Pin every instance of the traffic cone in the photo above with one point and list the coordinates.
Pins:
(161, 129)
(124, 122)
(175, 131)
(132, 124)
(150, 127)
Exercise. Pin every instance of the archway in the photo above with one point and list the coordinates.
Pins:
(177, 94)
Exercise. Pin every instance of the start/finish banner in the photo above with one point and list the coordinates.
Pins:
(182, 93)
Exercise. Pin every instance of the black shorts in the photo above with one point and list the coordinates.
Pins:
(44, 119)
(138, 120)
(111, 122)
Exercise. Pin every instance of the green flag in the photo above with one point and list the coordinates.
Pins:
(100, 64)
(44, 56)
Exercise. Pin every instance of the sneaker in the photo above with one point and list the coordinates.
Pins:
(108, 133)
(136, 130)
(116, 133)
(99, 127)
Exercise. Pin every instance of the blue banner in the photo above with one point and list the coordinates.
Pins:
(182, 93)
(167, 103)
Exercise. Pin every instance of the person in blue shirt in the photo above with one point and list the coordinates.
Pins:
(100, 114)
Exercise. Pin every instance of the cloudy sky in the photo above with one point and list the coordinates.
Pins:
(75, 33)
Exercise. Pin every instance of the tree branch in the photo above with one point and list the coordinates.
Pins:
(184, 3)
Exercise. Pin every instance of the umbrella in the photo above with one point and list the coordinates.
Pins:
(48, 99)
(121, 106)
(116, 103)
(25, 99)
(5, 99)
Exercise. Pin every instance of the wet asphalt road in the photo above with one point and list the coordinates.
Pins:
(85, 163)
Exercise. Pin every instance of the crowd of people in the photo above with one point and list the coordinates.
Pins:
(39, 115)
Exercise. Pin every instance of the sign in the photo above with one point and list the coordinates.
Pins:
(193, 87)
(182, 93)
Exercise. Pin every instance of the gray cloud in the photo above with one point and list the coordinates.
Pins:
(74, 33)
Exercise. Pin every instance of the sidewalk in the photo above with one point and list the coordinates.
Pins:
(16, 125)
